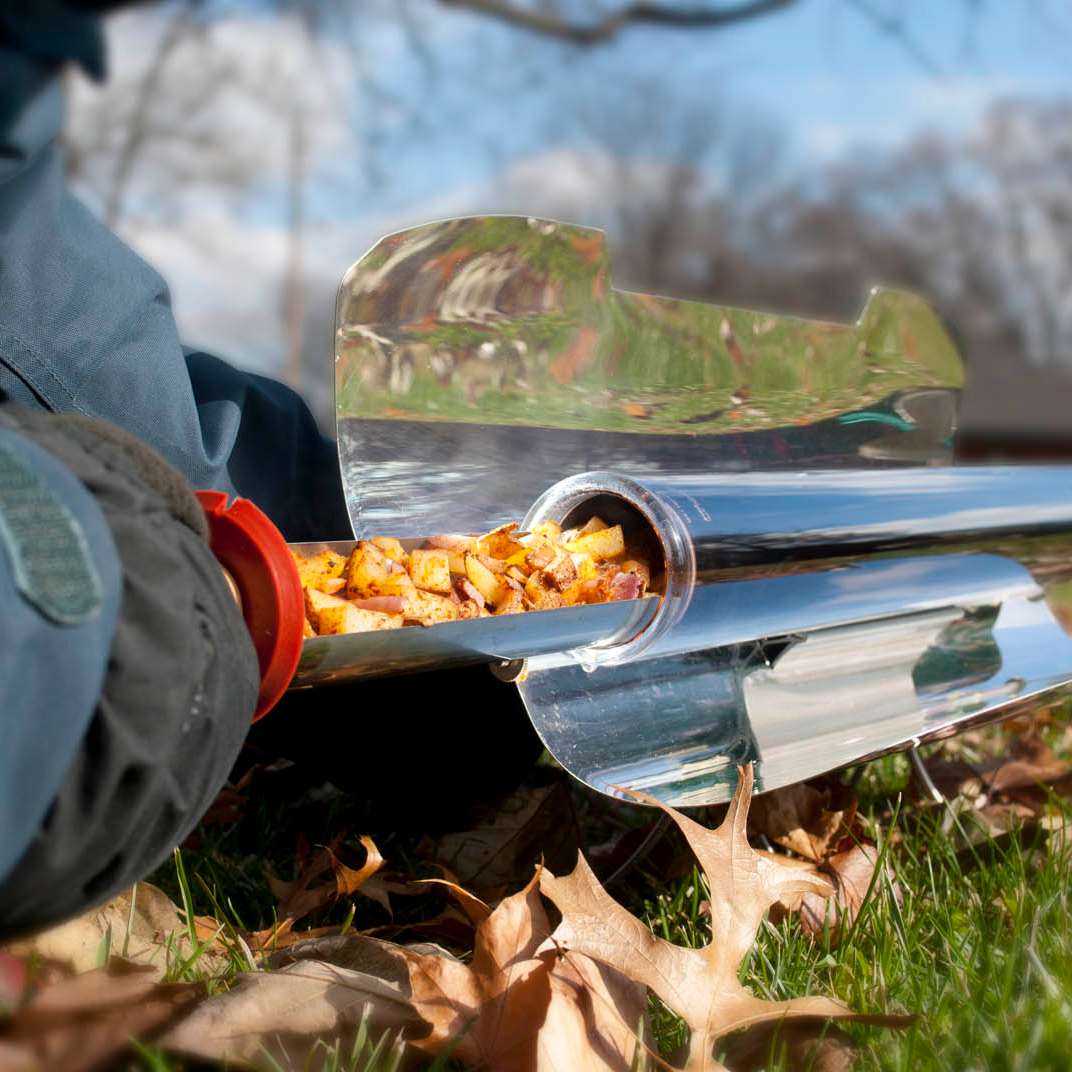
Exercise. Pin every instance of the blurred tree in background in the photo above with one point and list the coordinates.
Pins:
(253, 148)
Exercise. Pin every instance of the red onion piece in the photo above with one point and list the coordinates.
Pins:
(471, 591)
(384, 604)
(625, 586)
(452, 541)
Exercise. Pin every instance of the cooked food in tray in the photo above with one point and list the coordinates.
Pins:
(384, 585)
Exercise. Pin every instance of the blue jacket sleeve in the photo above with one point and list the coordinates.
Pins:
(86, 326)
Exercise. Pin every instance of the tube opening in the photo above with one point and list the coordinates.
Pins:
(652, 530)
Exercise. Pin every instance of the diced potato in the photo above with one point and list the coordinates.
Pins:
(551, 529)
(316, 602)
(492, 588)
(391, 547)
(351, 619)
(586, 566)
(429, 608)
(561, 572)
(547, 599)
(430, 570)
(457, 576)
(542, 555)
(605, 543)
(322, 567)
(536, 585)
(512, 603)
(369, 573)
(498, 543)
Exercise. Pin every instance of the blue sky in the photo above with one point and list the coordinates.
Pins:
(820, 71)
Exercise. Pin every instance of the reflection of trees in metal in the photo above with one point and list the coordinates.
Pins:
(510, 320)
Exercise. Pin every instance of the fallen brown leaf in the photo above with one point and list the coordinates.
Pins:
(323, 879)
(816, 1045)
(700, 985)
(804, 817)
(88, 1020)
(500, 999)
(286, 1014)
(141, 924)
(1022, 776)
(851, 872)
(594, 1019)
(531, 825)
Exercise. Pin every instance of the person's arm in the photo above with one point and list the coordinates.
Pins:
(86, 325)
(127, 676)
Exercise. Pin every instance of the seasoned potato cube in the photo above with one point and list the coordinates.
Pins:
(351, 619)
(315, 571)
(391, 547)
(471, 609)
(307, 629)
(370, 573)
(561, 572)
(536, 585)
(551, 529)
(593, 524)
(316, 602)
(367, 571)
(457, 561)
(512, 603)
(547, 599)
(605, 543)
(430, 570)
(498, 543)
(541, 556)
(491, 587)
(429, 608)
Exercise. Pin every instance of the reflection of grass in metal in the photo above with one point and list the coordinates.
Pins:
(658, 365)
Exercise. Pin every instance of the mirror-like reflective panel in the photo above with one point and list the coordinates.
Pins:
(479, 360)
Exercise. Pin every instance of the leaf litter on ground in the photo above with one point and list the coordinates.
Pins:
(533, 995)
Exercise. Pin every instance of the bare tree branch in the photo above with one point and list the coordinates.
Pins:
(893, 27)
(548, 24)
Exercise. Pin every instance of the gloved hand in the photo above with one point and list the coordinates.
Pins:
(104, 768)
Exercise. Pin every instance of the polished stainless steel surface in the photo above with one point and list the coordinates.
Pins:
(822, 618)
(478, 361)
(833, 587)
(334, 659)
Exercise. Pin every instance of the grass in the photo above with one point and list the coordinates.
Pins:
(974, 934)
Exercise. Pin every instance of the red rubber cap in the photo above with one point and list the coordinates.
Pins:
(254, 552)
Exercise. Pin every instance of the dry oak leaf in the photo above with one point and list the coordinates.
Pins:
(801, 817)
(594, 1020)
(305, 895)
(852, 874)
(520, 1006)
(700, 985)
(495, 1004)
